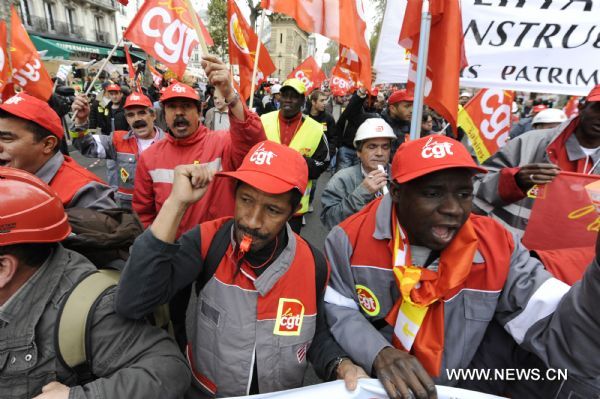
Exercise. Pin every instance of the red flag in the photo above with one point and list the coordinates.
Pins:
(486, 120)
(309, 73)
(341, 82)
(164, 29)
(340, 20)
(28, 70)
(242, 49)
(446, 53)
(563, 215)
(205, 33)
(156, 76)
(572, 106)
(4, 66)
(348, 60)
(130, 67)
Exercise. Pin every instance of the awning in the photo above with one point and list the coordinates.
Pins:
(63, 49)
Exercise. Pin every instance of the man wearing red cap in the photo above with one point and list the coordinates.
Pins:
(190, 142)
(417, 279)
(37, 275)
(398, 115)
(30, 133)
(260, 307)
(536, 158)
(123, 147)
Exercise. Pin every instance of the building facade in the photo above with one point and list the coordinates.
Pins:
(76, 24)
(288, 45)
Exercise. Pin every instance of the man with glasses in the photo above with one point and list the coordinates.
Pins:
(124, 147)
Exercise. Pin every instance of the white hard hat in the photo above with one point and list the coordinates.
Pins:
(550, 115)
(275, 89)
(373, 128)
(465, 94)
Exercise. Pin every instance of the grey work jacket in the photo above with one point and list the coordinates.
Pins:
(130, 359)
(343, 196)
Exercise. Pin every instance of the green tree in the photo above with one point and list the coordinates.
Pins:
(217, 26)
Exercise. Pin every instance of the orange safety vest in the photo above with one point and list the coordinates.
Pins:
(70, 178)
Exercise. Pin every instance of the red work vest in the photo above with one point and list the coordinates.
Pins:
(70, 178)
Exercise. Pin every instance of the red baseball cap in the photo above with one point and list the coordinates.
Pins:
(113, 87)
(179, 90)
(594, 94)
(429, 154)
(272, 168)
(400, 95)
(138, 99)
(33, 109)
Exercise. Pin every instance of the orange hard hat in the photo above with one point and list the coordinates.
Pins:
(31, 211)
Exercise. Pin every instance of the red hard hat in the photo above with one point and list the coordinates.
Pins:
(31, 211)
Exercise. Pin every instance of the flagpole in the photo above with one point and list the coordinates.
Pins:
(257, 55)
(201, 41)
(417, 115)
(110, 54)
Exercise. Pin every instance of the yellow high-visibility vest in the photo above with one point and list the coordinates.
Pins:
(305, 141)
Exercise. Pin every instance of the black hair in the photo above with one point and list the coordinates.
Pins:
(39, 132)
(30, 254)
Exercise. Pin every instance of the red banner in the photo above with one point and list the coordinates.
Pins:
(446, 53)
(242, 50)
(563, 215)
(156, 76)
(28, 71)
(340, 20)
(164, 29)
(486, 120)
(309, 73)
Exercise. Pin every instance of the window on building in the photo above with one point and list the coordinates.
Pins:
(71, 19)
(99, 23)
(24, 11)
(281, 38)
(49, 12)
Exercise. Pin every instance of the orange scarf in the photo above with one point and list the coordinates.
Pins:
(424, 288)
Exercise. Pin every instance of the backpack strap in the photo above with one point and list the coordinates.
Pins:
(216, 251)
(320, 269)
(72, 332)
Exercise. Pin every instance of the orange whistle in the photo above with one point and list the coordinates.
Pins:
(245, 244)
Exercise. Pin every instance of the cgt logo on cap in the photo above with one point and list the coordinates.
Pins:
(178, 88)
(135, 97)
(437, 150)
(262, 156)
(14, 99)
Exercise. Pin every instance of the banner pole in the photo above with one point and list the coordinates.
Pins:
(108, 57)
(257, 55)
(417, 114)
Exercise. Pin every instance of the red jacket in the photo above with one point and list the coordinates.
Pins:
(223, 150)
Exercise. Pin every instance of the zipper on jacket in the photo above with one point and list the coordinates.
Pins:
(251, 369)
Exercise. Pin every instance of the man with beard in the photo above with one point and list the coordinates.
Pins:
(123, 147)
(259, 313)
(417, 279)
(190, 142)
(288, 126)
(350, 189)
(398, 115)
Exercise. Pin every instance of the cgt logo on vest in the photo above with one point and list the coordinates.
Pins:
(290, 314)
(367, 300)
